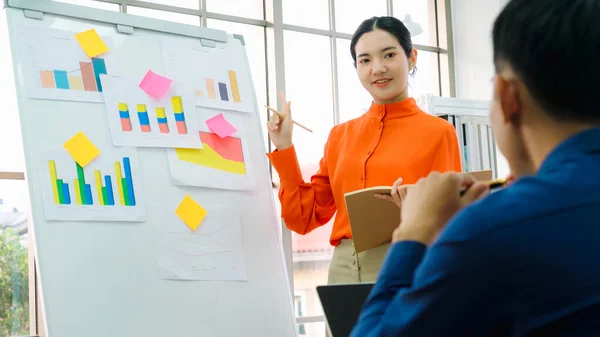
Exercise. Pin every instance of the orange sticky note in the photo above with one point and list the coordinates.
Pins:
(191, 213)
(91, 43)
(81, 149)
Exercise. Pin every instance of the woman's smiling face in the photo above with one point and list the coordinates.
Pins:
(383, 67)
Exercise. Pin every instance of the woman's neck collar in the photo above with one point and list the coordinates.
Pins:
(403, 108)
(401, 97)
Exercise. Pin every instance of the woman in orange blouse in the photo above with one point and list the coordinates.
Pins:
(394, 138)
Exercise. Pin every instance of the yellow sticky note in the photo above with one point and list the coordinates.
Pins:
(91, 43)
(81, 149)
(191, 212)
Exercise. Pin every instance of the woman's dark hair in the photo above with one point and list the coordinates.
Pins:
(389, 24)
(554, 47)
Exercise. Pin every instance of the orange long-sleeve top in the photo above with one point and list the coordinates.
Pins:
(387, 142)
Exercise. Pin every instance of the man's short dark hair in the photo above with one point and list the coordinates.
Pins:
(554, 46)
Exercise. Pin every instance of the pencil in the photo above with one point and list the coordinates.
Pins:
(496, 183)
(283, 116)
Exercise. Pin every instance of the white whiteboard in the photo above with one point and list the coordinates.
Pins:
(101, 278)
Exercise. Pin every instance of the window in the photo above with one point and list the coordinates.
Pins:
(420, 19)
(14, 259)
(354, 99)
(320, 80)
(298, 307)
(308, 85)
(310, 13)
(245, 8)
(426, 79)
(191, 4)
(93, 4)
(163, 15)
(14, 244)
(350, 13)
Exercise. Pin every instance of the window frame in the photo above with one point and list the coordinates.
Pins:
(274, 28)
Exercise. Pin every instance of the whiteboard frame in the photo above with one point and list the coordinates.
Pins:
(36, 8)
(117, 18)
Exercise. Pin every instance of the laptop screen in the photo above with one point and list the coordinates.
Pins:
(342, 304)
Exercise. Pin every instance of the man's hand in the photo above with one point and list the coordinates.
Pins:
(432, 202)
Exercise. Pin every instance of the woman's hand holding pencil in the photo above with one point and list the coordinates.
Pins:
(280, 125)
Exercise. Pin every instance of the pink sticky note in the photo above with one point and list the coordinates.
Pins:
(219, 125)
(155, 85)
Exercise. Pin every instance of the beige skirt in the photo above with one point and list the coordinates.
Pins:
(348, 266)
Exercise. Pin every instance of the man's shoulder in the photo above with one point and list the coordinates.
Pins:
(505, 209)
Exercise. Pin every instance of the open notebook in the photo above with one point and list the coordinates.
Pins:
(373, 220)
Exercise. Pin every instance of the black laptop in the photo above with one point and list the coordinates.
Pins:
(342, 304)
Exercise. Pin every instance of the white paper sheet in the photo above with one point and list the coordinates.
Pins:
(209, 70)
(224, 165)
(50, 63)
(213, 252)
(73, 207)
(119, 91)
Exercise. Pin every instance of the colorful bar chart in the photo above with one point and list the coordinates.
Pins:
(125, 117)
(60, 189)
(88, 77)
(125, 183)
(223, 90)
(179, 115)
(61, 78)
(161, 117)
(75, 83)
(104, 190)
(210, 88)
(99, 69)
(88, 81)
(143, 118)
(235, 88)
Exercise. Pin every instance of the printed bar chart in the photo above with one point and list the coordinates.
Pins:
(75, 83)
(210, 88)
(104, 187)
(107, 191)
(87, 74)
(235, 89)
(179, 115)
(47, 78)
(85, 190)
(98, 179)
(125, 117)
(223, 90)
(143, 118)
(59, 188)
(99, 68)
(88, 81)
(161, 117)
(61, 79)
(127, 183)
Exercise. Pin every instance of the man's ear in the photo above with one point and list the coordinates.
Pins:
(507, 93)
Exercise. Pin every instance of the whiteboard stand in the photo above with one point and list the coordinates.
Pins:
(100, 278)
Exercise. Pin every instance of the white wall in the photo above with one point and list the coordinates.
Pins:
(472, 22)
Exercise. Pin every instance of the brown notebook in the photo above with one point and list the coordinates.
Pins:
(373, 220)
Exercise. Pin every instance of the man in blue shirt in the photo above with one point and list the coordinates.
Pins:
(524, 261)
